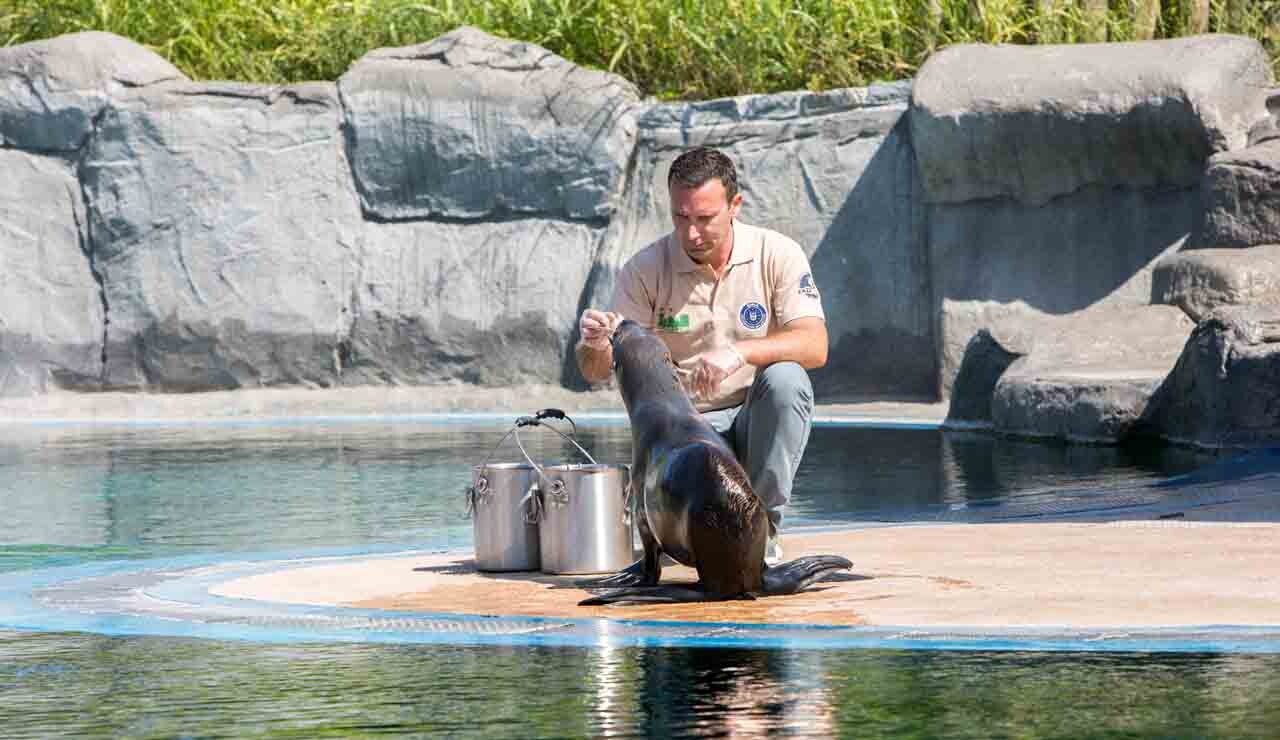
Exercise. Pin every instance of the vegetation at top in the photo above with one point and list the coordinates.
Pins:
(672, 49)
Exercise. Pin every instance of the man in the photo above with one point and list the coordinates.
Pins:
(739, 310)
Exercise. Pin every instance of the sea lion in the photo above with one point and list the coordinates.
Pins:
(693, 499)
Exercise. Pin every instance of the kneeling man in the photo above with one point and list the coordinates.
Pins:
(740, 313)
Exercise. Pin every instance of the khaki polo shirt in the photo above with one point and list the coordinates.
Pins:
(766, 284)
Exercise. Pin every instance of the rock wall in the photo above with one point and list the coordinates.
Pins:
(222, 225)
(1056, 176)
(445, 210)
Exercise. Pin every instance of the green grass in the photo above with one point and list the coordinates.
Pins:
(673, 49)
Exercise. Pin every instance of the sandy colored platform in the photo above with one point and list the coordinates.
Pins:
(1132, 574)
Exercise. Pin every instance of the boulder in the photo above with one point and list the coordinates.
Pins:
(1032, 123)
(473, 127)
(1267, 129)
(50, 304)
(1086, 376)
(1093, 249)
(986, 358)
(225, 229)
(1201, 280)
(1077, 407)
(835, 172)
(1225, 388)
(51, 90)
(1240, 193)
(489, 304)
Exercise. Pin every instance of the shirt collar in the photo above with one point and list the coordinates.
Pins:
(745, 250)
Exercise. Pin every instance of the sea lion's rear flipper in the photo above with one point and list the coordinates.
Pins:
(658, 595)
(795, 575)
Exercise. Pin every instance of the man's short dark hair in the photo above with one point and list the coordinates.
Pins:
(701, 165)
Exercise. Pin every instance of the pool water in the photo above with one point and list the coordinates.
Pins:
(73, 495)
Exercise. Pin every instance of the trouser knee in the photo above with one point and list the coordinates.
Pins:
(784, 384)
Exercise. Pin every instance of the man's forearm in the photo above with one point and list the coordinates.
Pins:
(596, 365)
(803, 341)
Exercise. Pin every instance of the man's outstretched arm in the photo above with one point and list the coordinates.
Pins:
(594, 353)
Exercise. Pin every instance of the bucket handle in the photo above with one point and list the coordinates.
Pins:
(532, 500)
(555, 488)
(525, 421)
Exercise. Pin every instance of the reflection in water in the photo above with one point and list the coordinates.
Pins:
(55, 685)
(869, 474)
(733, 693)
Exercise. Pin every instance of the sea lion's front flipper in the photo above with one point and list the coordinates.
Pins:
(646, 571)
(658, 595)
(790, 577)
(632, 575)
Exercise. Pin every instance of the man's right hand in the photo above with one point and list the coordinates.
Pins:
(596, 327)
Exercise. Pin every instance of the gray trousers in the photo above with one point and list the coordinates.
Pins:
(769, 431)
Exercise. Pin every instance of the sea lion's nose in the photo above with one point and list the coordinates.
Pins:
(621, 329)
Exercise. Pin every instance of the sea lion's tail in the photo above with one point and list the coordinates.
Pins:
(795, 575)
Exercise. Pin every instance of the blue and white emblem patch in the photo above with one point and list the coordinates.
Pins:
(807, 286)
(752, 315)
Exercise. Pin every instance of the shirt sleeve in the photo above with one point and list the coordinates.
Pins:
(795, 293)
(631, 299)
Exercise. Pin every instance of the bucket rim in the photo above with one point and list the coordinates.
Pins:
(585, 467)
(503, 466)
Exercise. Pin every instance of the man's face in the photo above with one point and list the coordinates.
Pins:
(703, 219)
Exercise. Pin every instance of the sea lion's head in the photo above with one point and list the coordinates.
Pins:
(642, 362)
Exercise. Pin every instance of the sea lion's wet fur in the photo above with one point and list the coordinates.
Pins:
(693, 499)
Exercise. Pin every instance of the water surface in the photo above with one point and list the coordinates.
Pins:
(78, 494)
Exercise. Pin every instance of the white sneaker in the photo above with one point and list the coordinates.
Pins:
(773, 553)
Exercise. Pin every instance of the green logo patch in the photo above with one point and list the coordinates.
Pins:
(672, 322)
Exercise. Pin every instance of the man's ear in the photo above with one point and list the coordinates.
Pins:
(734, 205)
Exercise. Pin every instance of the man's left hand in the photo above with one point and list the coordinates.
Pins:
(712, 368)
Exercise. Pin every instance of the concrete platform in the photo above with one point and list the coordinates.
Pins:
(1145, 574)
(376, 402)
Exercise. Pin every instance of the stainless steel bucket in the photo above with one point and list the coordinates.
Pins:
(585, 525)
(502, 499)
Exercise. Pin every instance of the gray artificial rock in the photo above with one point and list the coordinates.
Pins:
(1225, 389)
(1032, 123)
(1201, 280)
(997, 260)
(834, 171)
(51, 90)
(1085, 376)
(50, 304)
(1241, 197)
(489, 304)
(986, 358)
(472, 127)
(1266, 129)
(225, 229)
(1095, 409)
